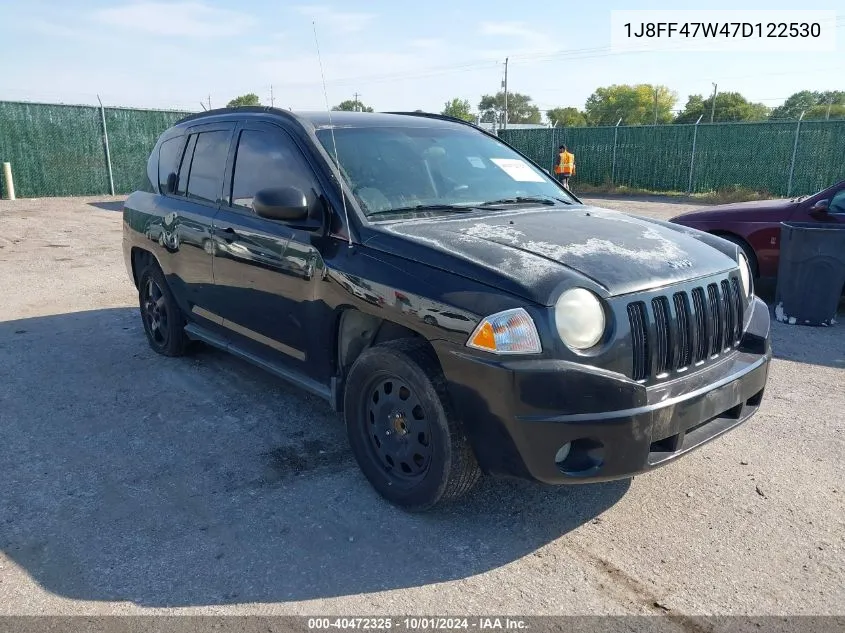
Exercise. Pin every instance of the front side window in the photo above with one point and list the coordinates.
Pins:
(205, 181)
(267, 159)
(837, 203)
(392, 168)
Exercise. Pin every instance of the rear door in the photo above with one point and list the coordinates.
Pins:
(187, 209)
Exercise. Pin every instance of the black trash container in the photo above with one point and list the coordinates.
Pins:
(811, 272)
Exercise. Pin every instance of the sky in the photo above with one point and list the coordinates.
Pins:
(397, 55)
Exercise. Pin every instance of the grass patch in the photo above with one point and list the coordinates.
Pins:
(718, 196)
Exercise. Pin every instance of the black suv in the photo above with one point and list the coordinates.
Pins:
(464, 311)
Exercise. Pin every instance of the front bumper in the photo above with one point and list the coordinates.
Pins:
(518, 414)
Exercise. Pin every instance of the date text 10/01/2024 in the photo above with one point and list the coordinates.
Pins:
(723, 29)
(418, 623)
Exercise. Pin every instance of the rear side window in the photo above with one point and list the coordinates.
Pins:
(168, 160)
(205, 181)
(185, 169)
(268, 159)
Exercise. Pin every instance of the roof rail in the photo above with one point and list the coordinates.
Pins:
(442, 117)
(239, 109)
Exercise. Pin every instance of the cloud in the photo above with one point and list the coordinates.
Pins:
(531, 42)
(337, 21)
(426, 42)
(181, 19)
(513, 29)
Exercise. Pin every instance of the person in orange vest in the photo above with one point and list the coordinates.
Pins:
(564, 166)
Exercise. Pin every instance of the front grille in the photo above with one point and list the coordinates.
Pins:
(673, 332)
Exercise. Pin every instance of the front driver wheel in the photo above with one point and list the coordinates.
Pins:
(402, 430)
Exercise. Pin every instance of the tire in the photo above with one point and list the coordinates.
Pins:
(163, 321)
(430, 320)
(402, 429)
(749, 253)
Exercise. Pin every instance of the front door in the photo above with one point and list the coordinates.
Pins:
(835, 212)
(264, 270)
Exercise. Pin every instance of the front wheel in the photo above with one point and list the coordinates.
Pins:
(402, 430)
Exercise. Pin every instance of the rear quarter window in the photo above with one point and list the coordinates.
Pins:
(168, 160)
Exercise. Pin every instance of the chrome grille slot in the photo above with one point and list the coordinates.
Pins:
(639, 340)
(663, 334)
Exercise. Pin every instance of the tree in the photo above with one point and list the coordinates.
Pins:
(250, 99)
(730, 106)
(811, 101)
(566, 117)
(820, 112)
(520, 108)
(635, 104)
(351, 105)
(458, 108)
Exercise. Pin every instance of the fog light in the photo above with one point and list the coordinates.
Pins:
(563, 453)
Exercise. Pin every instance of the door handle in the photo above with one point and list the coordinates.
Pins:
(227, 234)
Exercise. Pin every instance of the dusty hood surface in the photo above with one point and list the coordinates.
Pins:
(532, 250)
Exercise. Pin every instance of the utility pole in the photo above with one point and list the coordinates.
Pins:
(829, 103)
(505, 84)
(713, 105)
(272, 101)
(209, 102)
(356, 102)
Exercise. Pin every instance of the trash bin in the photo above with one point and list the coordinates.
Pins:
(811, 273)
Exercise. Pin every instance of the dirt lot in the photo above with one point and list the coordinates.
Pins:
(134, 483)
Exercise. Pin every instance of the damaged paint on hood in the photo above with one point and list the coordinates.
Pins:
(531, 251)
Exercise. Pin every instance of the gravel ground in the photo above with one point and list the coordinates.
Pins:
(133, 483)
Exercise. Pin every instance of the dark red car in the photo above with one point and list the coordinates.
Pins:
(755, 226)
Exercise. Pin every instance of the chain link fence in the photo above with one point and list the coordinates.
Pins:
(779, 158)
(60, 150)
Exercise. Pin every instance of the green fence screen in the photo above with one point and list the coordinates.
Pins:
(755, 156)
(59, 150)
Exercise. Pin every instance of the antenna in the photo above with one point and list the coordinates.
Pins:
(334, 143)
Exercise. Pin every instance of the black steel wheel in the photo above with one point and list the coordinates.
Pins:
(400, 433)
(401, 427)
(163, 320)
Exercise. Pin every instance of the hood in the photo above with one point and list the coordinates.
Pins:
(531, 251)
(755, 206)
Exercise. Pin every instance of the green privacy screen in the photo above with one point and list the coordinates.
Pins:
(757, 156)
(59, 150)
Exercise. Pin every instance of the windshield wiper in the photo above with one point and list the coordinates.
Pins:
(547, 200)
(453, 208)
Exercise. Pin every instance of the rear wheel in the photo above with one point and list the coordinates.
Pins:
(163, 320)
(402, 430)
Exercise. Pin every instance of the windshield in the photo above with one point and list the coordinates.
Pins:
(393, 169)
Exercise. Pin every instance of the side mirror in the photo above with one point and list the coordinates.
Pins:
(821, 206)
(172, 180)
(288, 204)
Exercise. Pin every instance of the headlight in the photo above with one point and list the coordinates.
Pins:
(579, 318)
(745, 274)
(509, 332)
